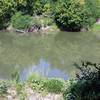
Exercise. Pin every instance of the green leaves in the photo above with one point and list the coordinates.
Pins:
(7, 8)
(20, 21)
(70, 15)
(94, 7)
(87, 82)
(3, 87)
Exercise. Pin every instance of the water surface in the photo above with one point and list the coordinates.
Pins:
(50, 55)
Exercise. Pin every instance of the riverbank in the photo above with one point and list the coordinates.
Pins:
(96, 27)
(47, 30)
(35, 88)
(42, 31)
(30, 94)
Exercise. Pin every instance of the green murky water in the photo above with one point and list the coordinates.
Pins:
(50, 55)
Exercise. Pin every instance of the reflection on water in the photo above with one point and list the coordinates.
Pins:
(43, 68)
(49, 55)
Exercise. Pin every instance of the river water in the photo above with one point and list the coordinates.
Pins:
(51, 55)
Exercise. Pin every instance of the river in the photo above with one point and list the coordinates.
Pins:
(51, 55)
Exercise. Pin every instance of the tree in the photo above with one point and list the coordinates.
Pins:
(7, 8)
(94, 7)
(70, 15)
(86, 86)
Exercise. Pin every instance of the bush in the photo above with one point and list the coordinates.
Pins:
(55, 85)
(42, 21)
(3, 88)
(20, 21)
(36, 82)
(87, 83)
(30, 7)
(7, 8)
(43, 84)
(47, 8)
(36, 21)
(34, 7)
(70, 15)
(45, 21)
(94, 6)
(96, 27)
(20, 5)
(19, 88)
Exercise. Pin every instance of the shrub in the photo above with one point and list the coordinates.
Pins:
(36, 21)
(34, 77)
(34, 7)
(96, 27)
(45, 21)
(38, 7)
(19, 88)
(55, 85)
(36, 82)
(87, 84)
(47, 8)
(94, 6)
(43, 84)
(20, 5)
(42, 21)
(70, 15)
(30, 7)
(7, 8)
(20, 21)
(3, 88)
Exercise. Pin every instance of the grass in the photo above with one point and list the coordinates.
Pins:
(41, 86)
(96, 27)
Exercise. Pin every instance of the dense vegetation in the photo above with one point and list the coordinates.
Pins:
(86, 85)
(37, 84)
(70, 15)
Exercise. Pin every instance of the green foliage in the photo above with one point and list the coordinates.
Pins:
(69, 15)
(7, 8)
(19, 88)
(55, 85)
(42, 84)
(20, 21)
(45, 21)
(34, 77)
(36, 21)
(42, 21)
(48, 7)
(38, 7)
(20, 5)
(22, 96)
(72, 16)
(94, 6)
(96, 27)
(72, 89)
(30, 7)
(36, 82)
(87, 84)
(3, 88)
(15, 75)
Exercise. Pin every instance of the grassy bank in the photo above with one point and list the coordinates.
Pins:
(35, 87)
(96, 27)
(84, 87)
